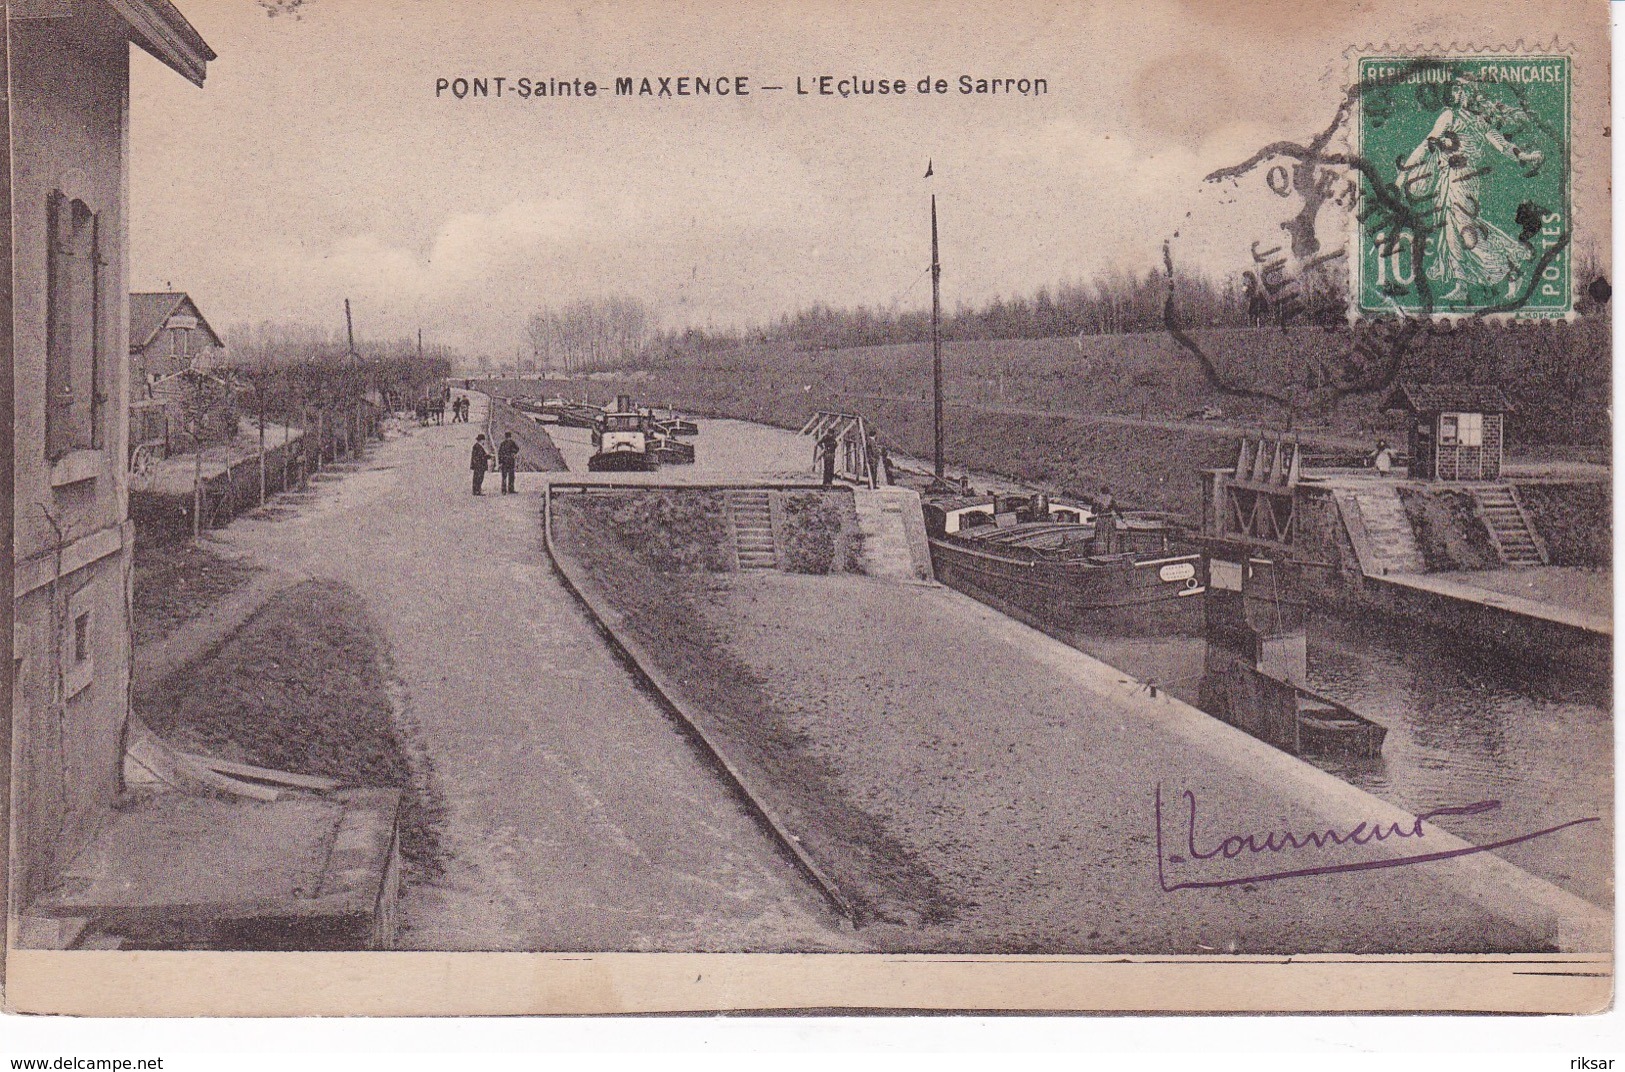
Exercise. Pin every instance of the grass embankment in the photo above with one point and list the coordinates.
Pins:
(818, 534)
(1558, 375)
(1447, 529)
(301, 687)
(537, 454)
(779, 763)
(176, 583)
(674, 533)
(686, 530)
(1575, 520)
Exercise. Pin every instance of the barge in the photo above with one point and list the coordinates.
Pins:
(1061, 568)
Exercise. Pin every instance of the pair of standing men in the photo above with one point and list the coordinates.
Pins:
(507, 457)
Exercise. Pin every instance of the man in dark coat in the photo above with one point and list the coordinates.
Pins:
(826, 448)
(479, 460)
(508, 461)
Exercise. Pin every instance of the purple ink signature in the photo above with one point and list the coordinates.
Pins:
(1235, 845)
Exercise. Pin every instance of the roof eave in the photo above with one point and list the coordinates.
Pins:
(164, 33)
(218, 341)
(153, 334)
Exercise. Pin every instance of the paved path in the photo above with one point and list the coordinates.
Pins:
(1023, 776)
(578, 815)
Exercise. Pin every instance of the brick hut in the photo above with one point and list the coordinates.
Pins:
(1457, 431)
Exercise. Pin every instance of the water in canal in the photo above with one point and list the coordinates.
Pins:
(1461, 729)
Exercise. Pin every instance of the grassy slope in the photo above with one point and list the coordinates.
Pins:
(301, 687)
(1558, 375)
(537, 453)
(175, 583)
(1575, 520)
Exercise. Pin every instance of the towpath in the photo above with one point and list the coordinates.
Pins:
(1025, 777)
(578, 816)
(1516, 467)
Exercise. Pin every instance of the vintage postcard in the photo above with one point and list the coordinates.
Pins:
(522, 507)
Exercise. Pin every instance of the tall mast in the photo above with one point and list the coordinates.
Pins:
(936, 340)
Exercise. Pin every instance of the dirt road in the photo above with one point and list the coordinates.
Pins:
(1313, 439)
(579, 817)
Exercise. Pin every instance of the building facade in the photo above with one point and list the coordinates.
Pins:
(1457, 431)
(168, 335)
(68, 76)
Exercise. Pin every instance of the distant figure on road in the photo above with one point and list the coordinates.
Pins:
(826, 451)
(1383, 459)
(508, 461)
(479, 460)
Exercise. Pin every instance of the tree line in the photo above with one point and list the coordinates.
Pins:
(293, 368)
(588, 335)
(1116, 302)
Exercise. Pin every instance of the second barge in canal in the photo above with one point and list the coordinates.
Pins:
(1059, 567)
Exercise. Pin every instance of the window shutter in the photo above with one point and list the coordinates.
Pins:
(58, 328)
(98, 385)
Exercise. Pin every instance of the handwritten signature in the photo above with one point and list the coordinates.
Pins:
(1365, 833)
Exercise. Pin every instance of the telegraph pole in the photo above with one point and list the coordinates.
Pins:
(354, 358)
(936, 340)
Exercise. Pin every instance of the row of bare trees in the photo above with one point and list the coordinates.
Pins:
(588, 335)
(1114, 302)
(302, 378)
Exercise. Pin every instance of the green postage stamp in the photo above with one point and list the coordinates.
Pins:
(1465, 206)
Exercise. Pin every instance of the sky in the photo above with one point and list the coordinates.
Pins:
(318, 163)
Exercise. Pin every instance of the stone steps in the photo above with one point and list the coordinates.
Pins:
(752, 517)
(1509, 528)
(893, 532)
(1389, 530)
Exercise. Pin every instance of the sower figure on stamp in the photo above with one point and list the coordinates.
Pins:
(508, 461)
(479, 460)
(1450, 169)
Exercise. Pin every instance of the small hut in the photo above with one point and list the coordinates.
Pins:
(1457, 431)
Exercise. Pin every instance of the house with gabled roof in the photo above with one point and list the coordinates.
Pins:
(168, 335)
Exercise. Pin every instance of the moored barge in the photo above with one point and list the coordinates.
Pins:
(1062, 569)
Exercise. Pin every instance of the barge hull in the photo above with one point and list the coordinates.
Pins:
(1061, 598)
